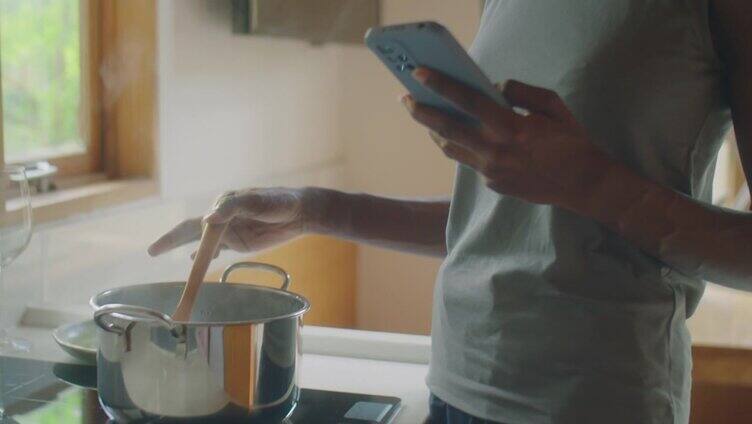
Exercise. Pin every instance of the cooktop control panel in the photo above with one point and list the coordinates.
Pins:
(369, 411)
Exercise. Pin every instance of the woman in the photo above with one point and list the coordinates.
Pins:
(579, 232)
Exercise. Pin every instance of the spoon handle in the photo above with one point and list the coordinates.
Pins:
(210, 238)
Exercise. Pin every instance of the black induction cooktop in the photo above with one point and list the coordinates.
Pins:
(38, 392)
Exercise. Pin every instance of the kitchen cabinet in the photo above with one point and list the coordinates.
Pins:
(323, 270)
(341, 21)
(722, 385)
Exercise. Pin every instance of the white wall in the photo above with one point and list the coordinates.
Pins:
(239, 110)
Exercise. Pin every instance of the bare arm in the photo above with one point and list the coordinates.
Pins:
(413, 226)
(265, 217)
(693, 237)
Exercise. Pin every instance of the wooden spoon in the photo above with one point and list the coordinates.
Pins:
(210, 238)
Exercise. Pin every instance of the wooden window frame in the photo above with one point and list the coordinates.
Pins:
(128, 49)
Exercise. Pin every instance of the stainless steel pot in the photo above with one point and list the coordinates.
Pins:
(235, 360)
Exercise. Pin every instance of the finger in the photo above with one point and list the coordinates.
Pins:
(448, 126)
(535, 99)
(233, 239)
(500, 157)
(455, 151)
(184, 233)
(469, 100)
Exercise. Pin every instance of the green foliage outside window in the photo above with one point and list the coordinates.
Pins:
(41, 78)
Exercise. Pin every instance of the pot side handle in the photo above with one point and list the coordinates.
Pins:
(258, 265)
(132, 313)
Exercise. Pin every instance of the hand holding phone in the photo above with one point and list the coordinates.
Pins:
(403, 48)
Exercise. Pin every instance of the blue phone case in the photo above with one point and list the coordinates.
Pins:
(402, 48)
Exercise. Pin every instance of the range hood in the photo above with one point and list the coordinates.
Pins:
(317, 21)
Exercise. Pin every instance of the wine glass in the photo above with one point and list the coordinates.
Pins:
(15, 233)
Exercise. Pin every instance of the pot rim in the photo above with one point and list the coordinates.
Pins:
(306, 304)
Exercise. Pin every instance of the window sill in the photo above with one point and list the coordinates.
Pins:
(88, 194)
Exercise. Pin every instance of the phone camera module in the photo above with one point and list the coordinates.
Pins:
(402, 67)
(385, 49)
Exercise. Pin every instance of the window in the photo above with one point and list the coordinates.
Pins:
(45, 82)
(58, 59)
(57, 106)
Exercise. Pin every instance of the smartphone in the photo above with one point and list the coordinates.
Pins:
(402, 48)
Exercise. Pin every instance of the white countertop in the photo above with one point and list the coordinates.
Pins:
(403, 380)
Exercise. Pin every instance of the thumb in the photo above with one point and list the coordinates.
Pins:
(535, 99)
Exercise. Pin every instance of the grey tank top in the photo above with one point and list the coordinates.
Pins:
(544, 316)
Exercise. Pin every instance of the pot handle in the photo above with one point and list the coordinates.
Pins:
(258, 265)
(132, 312)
